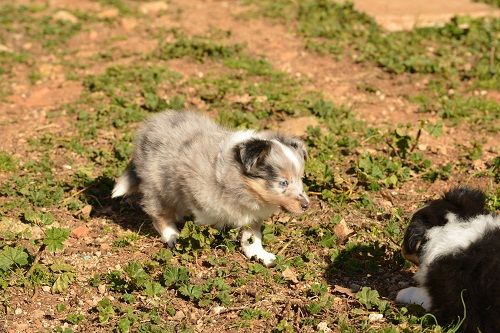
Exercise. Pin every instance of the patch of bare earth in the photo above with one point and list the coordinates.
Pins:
(339, 80)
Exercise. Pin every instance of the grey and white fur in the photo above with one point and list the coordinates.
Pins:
(184, 163)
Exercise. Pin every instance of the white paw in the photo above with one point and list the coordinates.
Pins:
(259, 253)
(267, 259)
(414, 295)
(169, 236)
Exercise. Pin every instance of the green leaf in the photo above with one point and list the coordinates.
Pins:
(59, 267)
(192, 291)
(124, 325)
(11, 256)
(368, 297)
(55, 238)
(175, 276)
(163, 255)
(74, 318)
(153, 289)
(105, 309)
(137, 274)
(62, 282)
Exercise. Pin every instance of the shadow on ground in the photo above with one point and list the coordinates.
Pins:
(371, 265)
(125, 211)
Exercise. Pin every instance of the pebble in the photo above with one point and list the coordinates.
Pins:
(18, 311)
(65, 16)
(46, 289)
(101, 289)
(218, 309)
(80, 232)
(323, 326)
(153, 7)
(5, 49)
(375, 317)
(108, 13)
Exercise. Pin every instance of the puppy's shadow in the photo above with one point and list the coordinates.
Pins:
(125, 212)
(368, 265)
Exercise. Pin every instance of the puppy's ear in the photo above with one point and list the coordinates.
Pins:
(251, 153)
(414, 237)
(467, 202)
(295, 144)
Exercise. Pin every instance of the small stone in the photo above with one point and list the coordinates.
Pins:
(323, 326)
(375, 317)
(422, 147)
(153, 7)
(179, 315)
(67, 167)
(5, 49)
(218, 309)
(18, 311)
(261, 98)
(108, 13)
(46, 289)
(101, 289)
(65, 16)
(80, 232)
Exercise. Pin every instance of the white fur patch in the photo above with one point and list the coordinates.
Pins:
(251, 243)
(414, 295)
(169, 235)
(238, 137)
(122, 186)
(452, 237)
(289, 154)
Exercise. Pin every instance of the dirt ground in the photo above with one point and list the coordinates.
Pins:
(35, 101)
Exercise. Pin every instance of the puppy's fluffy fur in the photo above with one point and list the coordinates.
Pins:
(185, 164)
(456, 244)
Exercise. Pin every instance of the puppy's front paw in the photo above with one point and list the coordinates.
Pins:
(414, 295)
(169, 236)
(259, 253)
(267, 259)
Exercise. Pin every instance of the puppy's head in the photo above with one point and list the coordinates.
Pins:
(273, 167)
(463, 202)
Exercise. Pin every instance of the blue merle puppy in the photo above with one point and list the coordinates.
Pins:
(186, 164)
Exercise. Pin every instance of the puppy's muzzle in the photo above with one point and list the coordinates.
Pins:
(304, 202)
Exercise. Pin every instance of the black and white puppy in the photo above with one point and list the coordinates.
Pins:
(456, 244)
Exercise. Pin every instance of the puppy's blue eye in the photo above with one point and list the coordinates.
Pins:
(283, 183)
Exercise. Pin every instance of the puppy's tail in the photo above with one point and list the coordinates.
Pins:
(128, 183)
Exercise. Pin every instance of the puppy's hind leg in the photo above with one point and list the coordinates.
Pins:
(251, 243)
(165, 225)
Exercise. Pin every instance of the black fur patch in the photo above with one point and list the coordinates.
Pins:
(414, 237)
(252, 155)
(465, 202)
(472, 274)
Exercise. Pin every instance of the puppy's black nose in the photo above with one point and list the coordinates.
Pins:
(304, 203)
